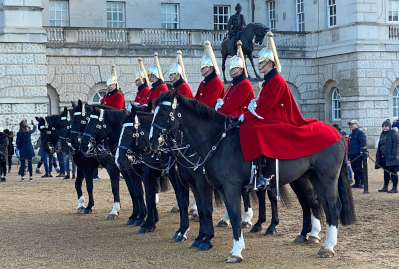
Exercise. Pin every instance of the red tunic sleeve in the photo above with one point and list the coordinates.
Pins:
(140, 96)
(157, 92)
(237, 99)
(185, 90)
(211, 92)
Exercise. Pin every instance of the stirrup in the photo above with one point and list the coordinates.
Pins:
(261, 183)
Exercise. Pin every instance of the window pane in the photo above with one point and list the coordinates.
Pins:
(52, 15)
(226, 10)
(109, 16)
(52, 23)
(121, 17)
(120, 6)
(64, 15)
(215, 10)
(58, 15)
(114, 16)
(58, 5)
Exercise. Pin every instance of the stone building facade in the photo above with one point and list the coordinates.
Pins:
(341, 65)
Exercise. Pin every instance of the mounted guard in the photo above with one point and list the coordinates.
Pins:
(113, 98)
(211, 88)
(142, 84)
(177, 76)
(273, 125)
(240, 92)
(156, 78)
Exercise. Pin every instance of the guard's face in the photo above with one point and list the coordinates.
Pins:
(174, 77)
(138, 82)
(206, 70)
(235, 72)
(111, 87)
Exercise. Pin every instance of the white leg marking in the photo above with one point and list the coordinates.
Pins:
(176, 205)
(331, 238)
(155, 114)
(248, 216)
(194, 206)
(327, 233)
(316, 227)
(81, 202)
(156, 198)
(115, 209)
(225, 217)
(238, 247)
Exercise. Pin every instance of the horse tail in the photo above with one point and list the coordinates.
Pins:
(285, 198)
(218, 198)
(347, 214)
(164, 183)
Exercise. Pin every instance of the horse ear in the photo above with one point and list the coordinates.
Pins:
(125, 112)
(73, 104)
(65, 109)
(80, 104)
(38, 119)
(133, 110)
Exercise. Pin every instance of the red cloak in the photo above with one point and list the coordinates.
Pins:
(141, 95)
(210, 91)
(283, 133)
(185, 90)
(114, 99)
(157, 88)
(237, 98)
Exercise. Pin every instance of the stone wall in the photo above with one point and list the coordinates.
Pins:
(23, 91)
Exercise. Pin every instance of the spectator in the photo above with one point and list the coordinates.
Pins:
(24, 145)
(68, 169)
(3, 154)
(10, 148)
(387, 156)
(395, 123)
(61, 161)
(39, 153)
(357, 140)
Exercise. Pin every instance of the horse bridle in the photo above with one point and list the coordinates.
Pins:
(49, 132)
(83, 123)
(69, 126)
(166, 131)
(99, 126)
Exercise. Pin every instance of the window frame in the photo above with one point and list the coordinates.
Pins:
(166, 22)
(300, 25)
(334, 103)
(391, 10)
(55, 20)
(271, 13)
(100, 93)
(329, 16)
(217, 16)
(119, 23)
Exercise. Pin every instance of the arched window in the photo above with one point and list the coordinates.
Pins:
(336, 105)
(98, 96)
(396, 102)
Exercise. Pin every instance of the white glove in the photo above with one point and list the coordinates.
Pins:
(129, 107)
(252, 104)
(219, 104)
(136, 104)
(241, 118)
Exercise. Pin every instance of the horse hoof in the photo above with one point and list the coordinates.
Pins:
(130, 222)
(327, 253)
(195, 218)
(80, 210)
(195, 244)
(112, 217)
(87, 211)
(151, 229)
(175, 210)
(143, 231)
(176, 234)
(138, 223)
(233, 259)
(256, 229)
(300, 239)
(205, 246)
(192, 210)
(222, 224)
(180, 238)
(313, 240)
(270, 231)
(246, 224)
(321, 251)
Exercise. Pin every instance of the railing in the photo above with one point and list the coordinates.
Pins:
(163, 36)
(393, 32)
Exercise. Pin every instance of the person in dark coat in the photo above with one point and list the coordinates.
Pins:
(3, 154)
(24, 145)
(387, 156)
(10, 147)
(357, 140)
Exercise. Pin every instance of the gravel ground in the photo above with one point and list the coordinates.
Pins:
(39, 228)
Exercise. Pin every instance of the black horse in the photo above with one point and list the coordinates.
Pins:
(252, 30)
(216, 140)
(104, 125)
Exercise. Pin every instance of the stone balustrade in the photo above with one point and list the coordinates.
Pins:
(393, 32)
(158, 36)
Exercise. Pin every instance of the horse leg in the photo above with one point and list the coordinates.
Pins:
(88, 173)
(194, 211)
(234, 211)
(202, 232)
(137, 186)
(175, 208)
(306, 214)
(275, 221)
(78, 187)
(262, 211)
(248, 213)
(135, 202)
(149, 179)
(113, 172)
(251, 59)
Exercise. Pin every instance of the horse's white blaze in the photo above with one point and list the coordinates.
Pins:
(238, 247)
(248, 216)
(331, 237)
(155, 114)
(115, 209)
(316, 227)
(225, 217)
(156, 198)
(194, 206)
(81, 202)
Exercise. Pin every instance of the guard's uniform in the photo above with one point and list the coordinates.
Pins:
(114, 99)
(157, 89)
(282, 133)
(210, 90)
(182, 87)
(237, 97)
(141, 94)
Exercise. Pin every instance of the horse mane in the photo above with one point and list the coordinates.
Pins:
(53, 120)
(203, 111)
(114, 115)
